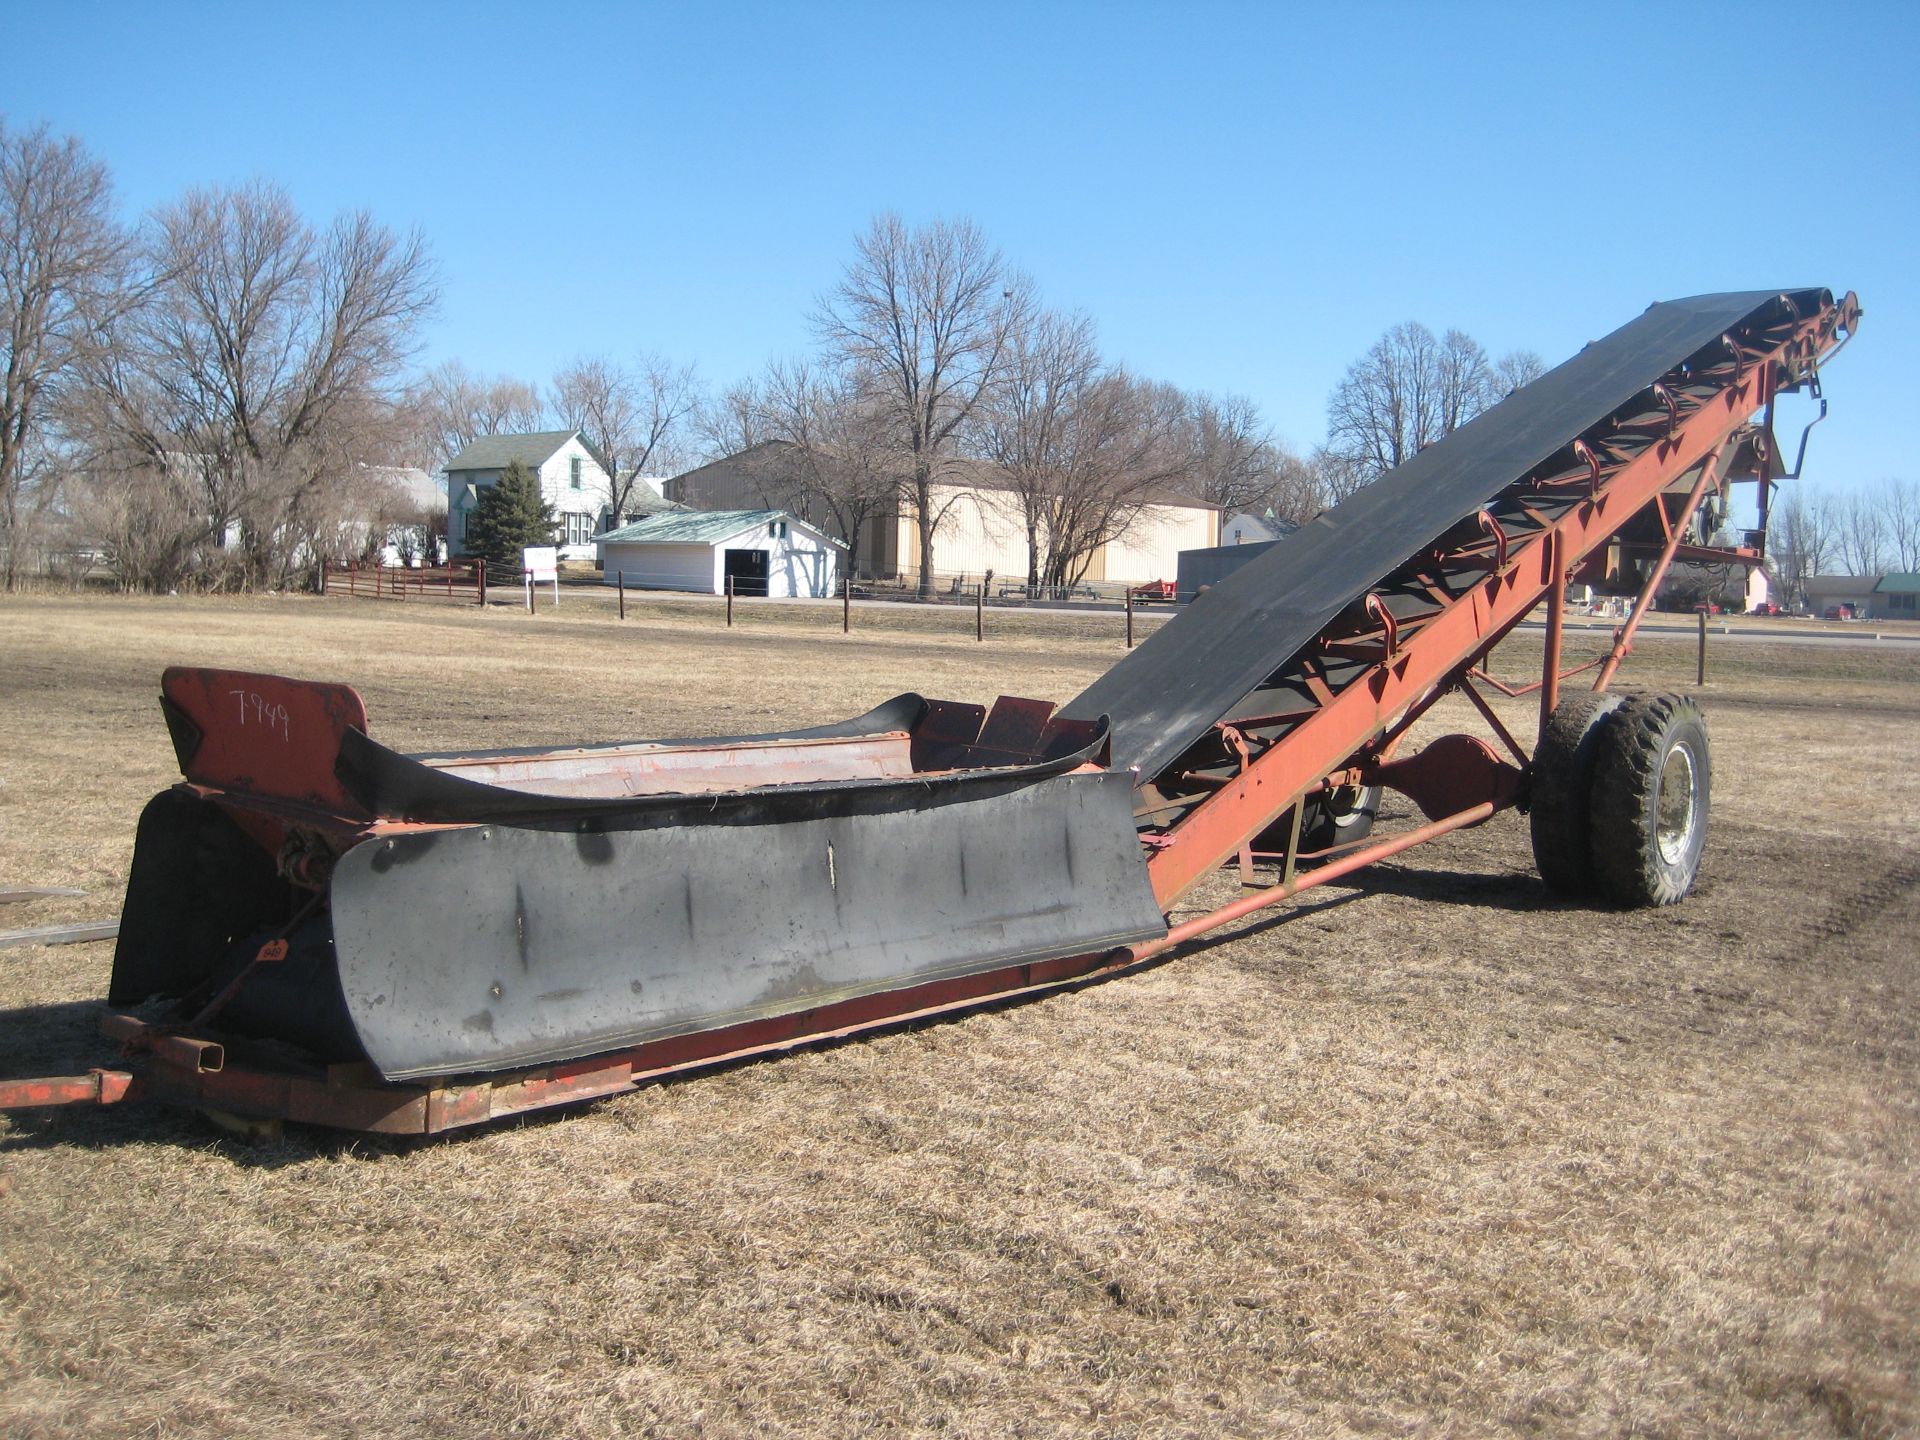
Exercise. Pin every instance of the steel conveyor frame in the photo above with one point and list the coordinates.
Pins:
(1300, 677)
(1339, 706)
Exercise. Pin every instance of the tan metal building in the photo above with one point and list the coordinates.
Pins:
(980, 530)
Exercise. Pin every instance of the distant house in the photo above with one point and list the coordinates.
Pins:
(1246, 528)
(572, 478)
(1896, 597)
(409, 508)
(763, 552)
(981, 530)
(1829, 592)
(1740, 584)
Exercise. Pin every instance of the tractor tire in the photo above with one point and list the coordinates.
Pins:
(1652, 786)
(1562, 798)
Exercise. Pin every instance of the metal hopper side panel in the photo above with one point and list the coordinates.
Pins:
(484, 948)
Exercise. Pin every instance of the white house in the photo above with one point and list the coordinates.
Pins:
(764, 552)
(572, 479)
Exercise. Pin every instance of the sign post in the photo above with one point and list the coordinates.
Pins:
(540, 564)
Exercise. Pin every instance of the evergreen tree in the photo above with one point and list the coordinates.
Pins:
(511, 515)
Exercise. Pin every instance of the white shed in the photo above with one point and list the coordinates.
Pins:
(765, 552)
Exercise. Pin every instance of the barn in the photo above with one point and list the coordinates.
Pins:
(763, 552)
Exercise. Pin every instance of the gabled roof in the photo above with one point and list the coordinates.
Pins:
(1898, 584)
(701, 527)
(415, 484)
(1263, 527)
(645, 502)
(496, 452)
(959, 471)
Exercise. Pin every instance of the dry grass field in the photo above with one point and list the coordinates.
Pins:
(1431, 1154)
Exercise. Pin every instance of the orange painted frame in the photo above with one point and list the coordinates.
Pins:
(1448, 645)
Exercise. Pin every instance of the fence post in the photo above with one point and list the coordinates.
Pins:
(980, 612)
(1129, 617)
(622, 575)
(480, 569)
(729, 602)
(846, 603)
(353, 578)
(449, 577)
(532, 586)
(1701, 677)
(323, 574)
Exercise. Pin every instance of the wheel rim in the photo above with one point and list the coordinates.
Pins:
(1348, 805)
(1677, 813)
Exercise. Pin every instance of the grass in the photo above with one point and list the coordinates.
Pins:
(1430, 1154)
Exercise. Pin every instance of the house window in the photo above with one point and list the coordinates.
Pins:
(777, 529)
(573, 472)
(1902, 602)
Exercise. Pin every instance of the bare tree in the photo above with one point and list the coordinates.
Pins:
(926, 315)
(263, 366)
(1467, 382)
(62, 267)
(1027, 427)
(1236, 462)
(1116, 453)
(841, 472)
(1861, 534)
(1900, 503)
(1515, 369)
(1800, 540)
(633, 417)
(1085, 447)
(731, 421)
(1339, 474)
(1233, 454)
(1409, 390)
(451, 407)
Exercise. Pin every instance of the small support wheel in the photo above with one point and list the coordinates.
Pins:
(1652, 783)
(1336, 817)
(1562, 799)
(1339, 817)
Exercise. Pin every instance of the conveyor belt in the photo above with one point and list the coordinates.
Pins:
(1201, 664)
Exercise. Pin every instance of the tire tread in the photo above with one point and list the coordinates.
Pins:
(1563, 765)
(1626, 783)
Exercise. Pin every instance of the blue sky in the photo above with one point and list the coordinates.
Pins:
(1243, 196)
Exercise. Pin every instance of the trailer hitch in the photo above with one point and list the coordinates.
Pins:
(96, 1087)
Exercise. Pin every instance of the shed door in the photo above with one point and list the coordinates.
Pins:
(747, 569)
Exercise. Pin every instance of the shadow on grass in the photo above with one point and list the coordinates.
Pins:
(1516, 891)
(64, 1039)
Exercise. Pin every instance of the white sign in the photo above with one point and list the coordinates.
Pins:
(540, 563)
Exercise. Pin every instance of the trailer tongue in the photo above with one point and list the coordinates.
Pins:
(340, 934)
